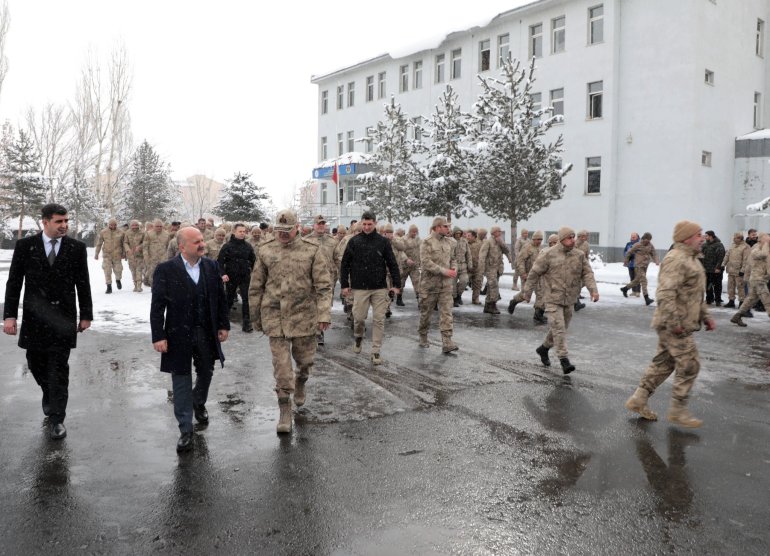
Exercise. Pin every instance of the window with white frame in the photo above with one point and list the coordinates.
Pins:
(403, 78)
(324, 193)
(484, 55)
(369, 141)
(340, 97)
(457, 63)
(324, 102)
(705, 158)
(596, 24)
(708, 77)
(439, 70)
(760, 42)
(351, 141)
(503, 48)
(381, 82)
(557, 102)
(417, 126)
(324, 148)
(340, 144)
(537, 105)
(595, 93)
(757, 110)
(417, 74)
(593, 175)
(351, 93)
(536, 40)
(558, 34)
(370, 88)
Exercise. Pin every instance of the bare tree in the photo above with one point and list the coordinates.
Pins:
(50, 131)
(5, 22)
(199, 196)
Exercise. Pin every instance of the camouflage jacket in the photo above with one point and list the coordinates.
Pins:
(583, 246)
(328, 245)
(519, 245)
(154, 246)
(213, 247)
(737, 258)
(491, 256)
(132, 244)
(562, 272)
(474, 247)
(290, 288)
(399, 250)
(526, 258)
(413, 250)
(681, 291)
(643, 254)
(758, 263)
(254, 243)
(436, 256)
(111, 241)
(463, 255)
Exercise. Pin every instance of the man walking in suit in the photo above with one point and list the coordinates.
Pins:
(189, 320)
(52, 268)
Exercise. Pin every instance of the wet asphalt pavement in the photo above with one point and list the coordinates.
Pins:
(482, 452)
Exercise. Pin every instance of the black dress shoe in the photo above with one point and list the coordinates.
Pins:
(46, 404)
(201, 415)
(58, 431)
(185, 442)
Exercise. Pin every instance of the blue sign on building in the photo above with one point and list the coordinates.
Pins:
(325, 173)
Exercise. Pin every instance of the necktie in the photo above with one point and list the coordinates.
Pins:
(52, 254)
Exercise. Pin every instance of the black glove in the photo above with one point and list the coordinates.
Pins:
(740, 274)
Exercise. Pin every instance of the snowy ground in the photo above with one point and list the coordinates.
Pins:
(129, 312)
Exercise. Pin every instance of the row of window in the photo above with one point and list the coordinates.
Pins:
(757, 116)
(346, 141)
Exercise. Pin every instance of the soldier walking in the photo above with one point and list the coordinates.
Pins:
(290, 300)
(110, 243)
(214, 246)
(474, 246)
(412, 265)
(642, 254)
(735, 262)
(491, 266)
(154, 250)
(464, 265)
(757, 280)
(524, 261)
(680, 312)
(328, 244)
(564, 270)
(517, 247)
(436, 284)
(132, 247)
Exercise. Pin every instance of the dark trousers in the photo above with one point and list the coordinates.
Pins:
(52, 373)
(243, 288)
(185, 394)
(714, 287)
(632, 274)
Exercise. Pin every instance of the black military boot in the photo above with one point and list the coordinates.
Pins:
(247, 326)
(624, 289)
(512, 305)
(737, 319)
(648, 300)
(455, 303)
(109, 288)
(399, 300)
(542, 351)
(118, 284)
(460, 299)
(540, 316)
(730, 304)
(578, 305)
(566, 366)
(484, 290)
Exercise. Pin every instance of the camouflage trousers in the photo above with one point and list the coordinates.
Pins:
(559, 317)
(735, 282)
(757, 291)
(476, 279)
(640, 278)
(149, 270)
(461, 281)
(412, 272)
(110, 265)
(428, 301)
(675, 353)
(379, 301)
(516, 277)
(302, 349)
(136, 266)
(493, 287)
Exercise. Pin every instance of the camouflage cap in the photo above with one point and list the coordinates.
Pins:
(456, 230)
(553, 238)
(320, 219)
(537, 235)
(387, 227)
(341, 229)
(439, 221)
(285, 221)
(565, 232)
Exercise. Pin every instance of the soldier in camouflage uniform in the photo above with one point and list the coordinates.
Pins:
(205, 232)
(111, 240)
(398, 243)
(290, 300)
(339, 251)
(464, 265)
(680, 312)
(643, 253)
(411, 268)
(582, 245)
(553, 239)
(154, 249)
(758, 261)
(563, 270)
(214, 246)
(517, 247)
(132, 247)
(474, 246)
(255, 238)
(328, 244)
(491, 266)
(437, 283)
(735, 263)
(524, 262)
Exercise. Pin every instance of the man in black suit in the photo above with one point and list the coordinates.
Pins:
(52, 267)
(189, 320)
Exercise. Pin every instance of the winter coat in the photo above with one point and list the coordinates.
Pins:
(237, 259)
(758, 263)
(631, 262)
(328, 244)
(474, 247)
(132, 244)
(365, 262)
(681, 291)
(563, 272)
(642, 254)
(111, 241)
(154, 246)
(50, 316)
(436, 256)
(213, 247)
(463, 255)
(290, 290)
(412, 250)
(519, 245)
(526, 258)
(584, 246)
(737, 258)
(491, 256)
(713, 254)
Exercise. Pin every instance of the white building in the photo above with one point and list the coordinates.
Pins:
(654, 94)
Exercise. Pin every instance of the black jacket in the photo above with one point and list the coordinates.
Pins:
(365, 263)
(713, 254)
(237, 258)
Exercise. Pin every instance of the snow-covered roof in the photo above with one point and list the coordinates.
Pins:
(345, 158)
(755, 135)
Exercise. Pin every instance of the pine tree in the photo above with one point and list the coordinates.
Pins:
(517, 172)
(447, 167)
(148, 194)
(389, 188)
(24, 190)
(242, 200)
(81, 202)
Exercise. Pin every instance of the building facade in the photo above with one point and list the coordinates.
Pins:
(654, 94)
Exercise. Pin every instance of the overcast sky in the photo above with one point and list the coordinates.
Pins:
(219, 86)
